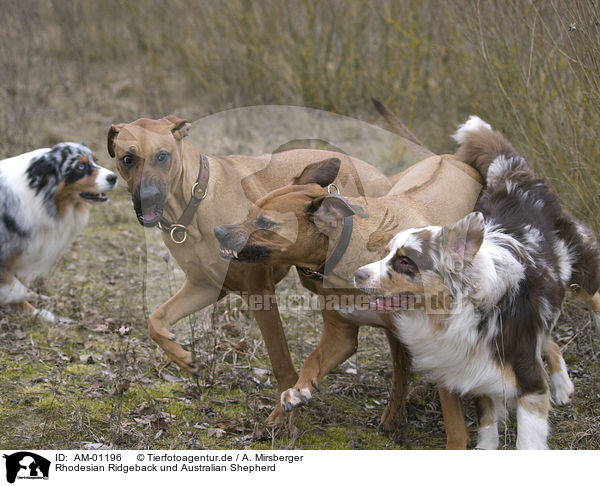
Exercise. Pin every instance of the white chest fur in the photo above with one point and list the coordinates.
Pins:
(453, 353)
(48, 242)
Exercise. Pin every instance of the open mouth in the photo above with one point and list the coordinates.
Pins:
(252, 253)
(99, 197)
(391, 303)
(228, 254)
(150, 215)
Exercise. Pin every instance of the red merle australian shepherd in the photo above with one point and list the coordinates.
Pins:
(504, 269)
(44, 198)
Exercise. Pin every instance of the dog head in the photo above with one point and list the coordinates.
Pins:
(290, 224)
(69, 174)
(148, 155)
(423, 263)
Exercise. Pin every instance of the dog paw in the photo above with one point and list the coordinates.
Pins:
(561, 387)
(45, 315)
(193, 368)
(294, 397)
(276, 418)
(393, 417)
(487, 438)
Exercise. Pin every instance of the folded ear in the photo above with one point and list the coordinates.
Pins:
(462, 240)
(113, 131)
(331, 210)
(43, 170)
(180, 128)
(322, 173)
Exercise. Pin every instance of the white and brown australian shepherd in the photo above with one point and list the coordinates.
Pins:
(502, 272)
(44, 198)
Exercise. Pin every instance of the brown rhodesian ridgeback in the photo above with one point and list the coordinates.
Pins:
(438, 190)
(161, 167)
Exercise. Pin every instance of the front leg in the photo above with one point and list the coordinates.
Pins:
(394, 414)
(271, 328)
(189, 299)
(596, 310)
(487, 423)
(338, 342)
(454, 419)
(14, 293)
(532, 421)
(42, 314)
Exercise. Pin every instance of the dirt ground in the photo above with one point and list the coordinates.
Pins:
(96, 380)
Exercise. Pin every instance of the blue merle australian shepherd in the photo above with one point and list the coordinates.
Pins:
(506, 269)
(44, 198)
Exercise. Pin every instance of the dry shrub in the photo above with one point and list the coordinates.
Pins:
(530, 68)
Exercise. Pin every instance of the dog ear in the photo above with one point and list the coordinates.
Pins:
(322, 173)
(42, 171)
(330, 211)
(110, 139)
(462, 240)
(180, 128)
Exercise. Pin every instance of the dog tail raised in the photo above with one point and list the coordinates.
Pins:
(480, 145)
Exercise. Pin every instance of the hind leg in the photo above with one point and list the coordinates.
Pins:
(589, 302)
(561, 386)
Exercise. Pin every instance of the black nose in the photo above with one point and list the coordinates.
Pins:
(150, 195)
(111, 179)
(360, 276)
(221, 233)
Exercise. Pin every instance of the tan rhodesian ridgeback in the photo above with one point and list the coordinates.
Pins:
(161, 167)
(438, 190)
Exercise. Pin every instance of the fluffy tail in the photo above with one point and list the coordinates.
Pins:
(480, 145)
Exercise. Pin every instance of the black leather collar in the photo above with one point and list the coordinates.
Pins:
(178, 231)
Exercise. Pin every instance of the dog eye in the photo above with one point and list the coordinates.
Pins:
(403, 264)
(264, 224)
(81, 167)
(162, 157)
(127, 160)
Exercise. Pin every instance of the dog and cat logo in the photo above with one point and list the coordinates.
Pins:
(26, 465)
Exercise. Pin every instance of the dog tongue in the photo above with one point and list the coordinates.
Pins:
(385, 303)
